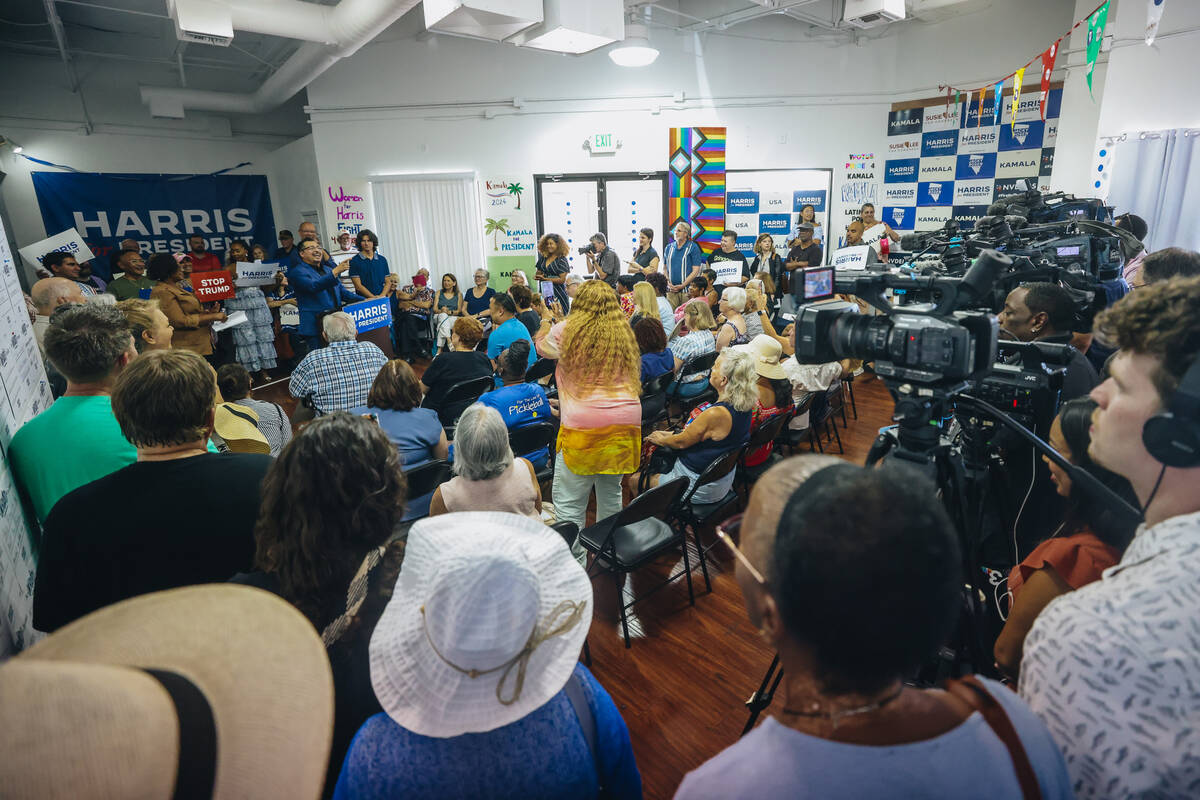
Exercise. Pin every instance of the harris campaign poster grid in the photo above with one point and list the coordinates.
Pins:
(159, 211)
(751, 213)
(944, 161)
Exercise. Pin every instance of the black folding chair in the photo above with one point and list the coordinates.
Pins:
(457, 398)
(766, 433)
(633, 537)
(535, 436)
(697, 365)
(541, 368)
(568, 530)
(654, 399)
(424, 479)
(837, 401)
(790, 437)
(820, 420)
(689, 513)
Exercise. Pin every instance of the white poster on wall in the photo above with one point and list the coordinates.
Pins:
(510, 241)
(347, 206)
(26, 393)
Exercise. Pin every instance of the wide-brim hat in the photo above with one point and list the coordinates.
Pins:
(244, 699)
(485, 624)
(767, 354)
(236, 425)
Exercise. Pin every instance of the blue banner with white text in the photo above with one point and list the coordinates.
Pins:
(371, 314)
(160, 212)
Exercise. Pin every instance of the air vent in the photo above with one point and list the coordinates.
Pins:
(202, 21)
(871, 13)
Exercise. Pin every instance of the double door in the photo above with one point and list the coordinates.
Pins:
(617, 205)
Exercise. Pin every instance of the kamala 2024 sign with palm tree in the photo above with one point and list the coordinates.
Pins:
(510, 241)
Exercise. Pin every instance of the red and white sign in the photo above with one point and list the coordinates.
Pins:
(210, 286)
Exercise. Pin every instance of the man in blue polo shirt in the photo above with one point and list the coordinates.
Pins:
(684, 260)
(506, 331)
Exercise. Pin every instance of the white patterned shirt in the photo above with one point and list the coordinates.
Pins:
(339, 376)
(1113, 669)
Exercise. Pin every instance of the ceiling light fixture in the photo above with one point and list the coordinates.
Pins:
(574, 26)
(635, 51)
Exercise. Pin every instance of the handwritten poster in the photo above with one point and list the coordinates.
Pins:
(25, 393)
(348, 206)
(509, 228)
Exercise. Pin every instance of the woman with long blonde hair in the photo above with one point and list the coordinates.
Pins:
(645, 304)
(599, 380)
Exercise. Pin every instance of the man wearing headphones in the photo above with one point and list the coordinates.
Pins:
(1112, 669)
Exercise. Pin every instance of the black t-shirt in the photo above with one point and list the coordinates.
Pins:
(150, 526)
(643, 259)
(812, 254)
(718, 256)
(453, 367)
(532, 321)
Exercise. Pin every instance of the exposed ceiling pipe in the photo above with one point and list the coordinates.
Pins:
(348, 26)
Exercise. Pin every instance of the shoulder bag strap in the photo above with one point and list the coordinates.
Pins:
(976, 695)
(575, 693)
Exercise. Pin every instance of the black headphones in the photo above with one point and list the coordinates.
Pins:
(1172, 436)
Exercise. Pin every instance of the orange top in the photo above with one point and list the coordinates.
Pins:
(1079, 559)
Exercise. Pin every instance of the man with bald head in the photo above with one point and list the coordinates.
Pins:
(48, 294)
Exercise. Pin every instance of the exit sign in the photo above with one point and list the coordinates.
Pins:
(602, 143)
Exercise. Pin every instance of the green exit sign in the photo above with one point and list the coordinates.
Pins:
(602, 143)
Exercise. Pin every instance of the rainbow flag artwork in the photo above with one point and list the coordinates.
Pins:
(696, 183)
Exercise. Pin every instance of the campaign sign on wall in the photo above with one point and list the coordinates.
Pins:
(967, 216)
(899, 194)
(1018, 163)
(160, 212)
(370, 314)
(901, 218)
(934, 193)
(939, 143)
(1022, 136)
(69, 241)
(904, 146)
(901, 170)
(933, 217)
(510, 238)
(348, 206)
(816, 199)
(905, 122)
(773, 208)
(210, 286)
(975, 166)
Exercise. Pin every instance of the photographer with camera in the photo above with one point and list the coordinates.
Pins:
(602, 262)
(1045, 312)
(851, 575)
(1112, 668)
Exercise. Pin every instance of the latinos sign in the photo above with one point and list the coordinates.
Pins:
(945, 161)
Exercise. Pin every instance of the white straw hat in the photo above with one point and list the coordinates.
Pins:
(241, 698)
(767, 353)
(484, 626)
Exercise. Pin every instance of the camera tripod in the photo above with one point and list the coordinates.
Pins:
(968, 484)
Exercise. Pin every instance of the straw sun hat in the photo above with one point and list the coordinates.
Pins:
(767, 354)
(217, 691)
(484, 626)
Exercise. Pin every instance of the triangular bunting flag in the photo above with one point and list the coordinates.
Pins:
(1154, 9)
(1048, 67)
(1017, 78)
(1096, 23)
(998, 92)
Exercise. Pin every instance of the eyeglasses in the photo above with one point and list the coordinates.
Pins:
(725, 533)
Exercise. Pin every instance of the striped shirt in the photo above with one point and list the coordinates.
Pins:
(1113, 669)
(339, 376)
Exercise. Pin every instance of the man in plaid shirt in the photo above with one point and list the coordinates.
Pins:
(339, 376)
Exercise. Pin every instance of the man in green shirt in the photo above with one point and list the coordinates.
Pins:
(134, 280)
(77, 439)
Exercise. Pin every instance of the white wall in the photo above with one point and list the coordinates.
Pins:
(406, 105)
(1152, 88)
(292, 176)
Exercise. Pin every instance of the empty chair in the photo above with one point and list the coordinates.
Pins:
(457, 398)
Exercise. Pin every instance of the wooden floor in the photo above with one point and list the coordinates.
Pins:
(682, 685)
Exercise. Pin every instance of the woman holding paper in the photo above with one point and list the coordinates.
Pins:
(191, 323)
(253, 340)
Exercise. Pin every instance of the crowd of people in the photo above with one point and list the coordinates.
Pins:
(432, 633)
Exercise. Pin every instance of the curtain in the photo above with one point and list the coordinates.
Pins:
(432, 222)
(1151, 177)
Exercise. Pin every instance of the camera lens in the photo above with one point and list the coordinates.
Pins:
(859, 336)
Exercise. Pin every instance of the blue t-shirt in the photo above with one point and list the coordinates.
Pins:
(682, 260)
(774, 761)
(415, 433)
(543, 754)
(519, 406)
(504, 335)
(370, 271)
(655, 364)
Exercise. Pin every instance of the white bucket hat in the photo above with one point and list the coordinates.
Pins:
(484, 626)
(767, 354)
(169, 693)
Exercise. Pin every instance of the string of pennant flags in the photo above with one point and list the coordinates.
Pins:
(1096, 20)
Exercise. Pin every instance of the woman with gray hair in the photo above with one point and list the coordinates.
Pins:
(733, 328)
(715, 430)
(487, 477)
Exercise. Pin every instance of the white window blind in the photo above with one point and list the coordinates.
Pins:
(429, 221)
